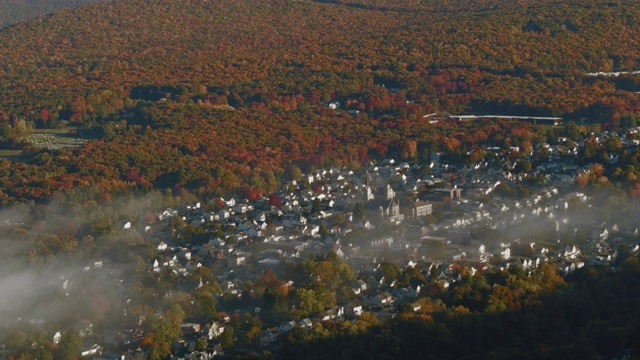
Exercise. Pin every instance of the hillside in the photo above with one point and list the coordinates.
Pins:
(14, 11)
(249, 78)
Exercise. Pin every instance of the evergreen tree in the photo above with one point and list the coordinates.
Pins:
(70, 346)
(227, 338)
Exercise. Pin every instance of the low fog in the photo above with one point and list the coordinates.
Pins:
(64, 264)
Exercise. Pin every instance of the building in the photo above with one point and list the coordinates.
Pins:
(451, 194)
(421, 208)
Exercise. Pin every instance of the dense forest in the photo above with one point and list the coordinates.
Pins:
(14, 11)
(143, 75)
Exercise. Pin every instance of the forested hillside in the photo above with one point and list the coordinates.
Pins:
(13, 11)
(249, 78)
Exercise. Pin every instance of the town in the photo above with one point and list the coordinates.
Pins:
(359, 231)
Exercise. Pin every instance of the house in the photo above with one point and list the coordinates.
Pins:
(224, 213)
(568, 267)
(167, 214)
(305, 323)
(192, 266)
(198, 355)
(332, 314)
(165, 261)
(242, 208)
(236, 260)
(293, 220)
(191, 285)
(108, 356)
(217, 242)
(267, 337)
(224, 317)
(214, 330)
(189, 329)
(57, 337)
(407, 293)
(84, 327)
(184, 253)
(94, 349)
(385, 315)
(354, 309)
(254, 231)
(227, 285)
(178, 268)
(505, 253)
(333, 105)
(381, 299)
(570, 252)
(445, 283)
(416, 306)
(359, 286)
(287, 326)
(206, 249)
(162, 246)
(399, 293)
(364, 224)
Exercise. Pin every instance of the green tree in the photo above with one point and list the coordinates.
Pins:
(251, 335)
(613, 145)
(359, 211)
(16, 340)
(338, 220)
(323, 231)
(201, 344)
(227, 338)
(307, 302)
(317, 206)
(525, 166)
(139, 265)
(166, 328)
(204, 307)
(5, 131)
(103, 226)
(70, 346)
(573, 131)
(295, 173)
(43, 354)
(389, 271)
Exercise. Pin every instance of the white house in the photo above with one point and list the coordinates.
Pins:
(215, 330)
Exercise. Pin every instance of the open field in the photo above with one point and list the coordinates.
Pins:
(54, 139)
